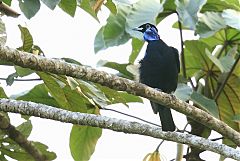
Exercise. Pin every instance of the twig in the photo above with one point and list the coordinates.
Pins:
(138, 118)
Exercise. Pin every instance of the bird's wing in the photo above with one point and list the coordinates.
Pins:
(175, 51)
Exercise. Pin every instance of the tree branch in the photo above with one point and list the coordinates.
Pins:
(20, 139)
(39, 63)
(44, 111)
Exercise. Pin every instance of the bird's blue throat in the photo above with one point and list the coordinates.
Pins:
(150, 35)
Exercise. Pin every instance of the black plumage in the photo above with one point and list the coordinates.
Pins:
(159, 69)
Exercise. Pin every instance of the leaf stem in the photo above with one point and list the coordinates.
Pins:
(219, 90)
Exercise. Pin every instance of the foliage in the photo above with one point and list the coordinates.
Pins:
(211, 62)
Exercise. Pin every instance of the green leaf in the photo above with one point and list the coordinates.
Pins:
(136, 48)
(229, 101)
(26, 39)
(205, 103)
(209, 23)
(169, 7)
(3, 34)
(113, 33)
(44, 150)
(86, 6)
(142, 12)
(183, 92)
(25, 128)
(60, 90)
(19, 155)
(118, 96)
(51, 3)
(231, 18)
(220, 5)
(121, 68)
(195, 57)
(215, 60)
(38, 94)
(68, 6)
(2, 93)
(90, 89)
(236, 118)
(111, 6)
(29, 8)
(188, 11)
(83, 140)
(21, 72)
(8, 2)
(10, 78)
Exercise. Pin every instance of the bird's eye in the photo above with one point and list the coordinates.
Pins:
(148, 26)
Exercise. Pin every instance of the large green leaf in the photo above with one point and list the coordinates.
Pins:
(38, 94)
(111, 6)
(183, 92)
(229, 101)
(188, 10)
(209, 23)
(169, 7)
(142, 12)
(231, 18)
(83, 140)
(66, 97)
(220, 5)
(205, 103)
(51, 3)
(29, 8)
(68, 6)
(27, 39)
(86, 6)
(224, 63)
(113, 33)
(195, 57)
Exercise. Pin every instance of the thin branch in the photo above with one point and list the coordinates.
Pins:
(182, 49)
(48, 112)
(20, 139)
(24, 80)
(135, 117)
(221, 87)
(60, 67)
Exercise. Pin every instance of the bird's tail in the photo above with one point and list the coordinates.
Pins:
(165, 116)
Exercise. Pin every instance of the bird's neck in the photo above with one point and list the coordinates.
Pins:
(151, 35)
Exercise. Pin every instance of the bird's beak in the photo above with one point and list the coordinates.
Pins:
(137, 29)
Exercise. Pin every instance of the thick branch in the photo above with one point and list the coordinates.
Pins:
(44, 111)
(87, 73)
(20, 139)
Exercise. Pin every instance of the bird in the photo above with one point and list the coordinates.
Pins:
(159, 69)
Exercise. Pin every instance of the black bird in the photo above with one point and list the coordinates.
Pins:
(159, 69)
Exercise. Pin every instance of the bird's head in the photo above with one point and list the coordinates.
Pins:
(150, 32)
